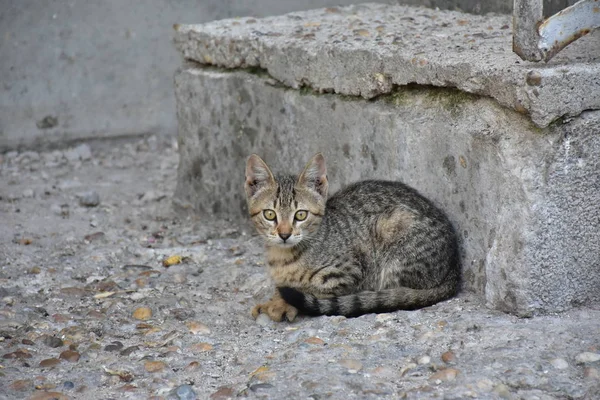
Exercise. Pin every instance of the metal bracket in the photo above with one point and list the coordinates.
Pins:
(536, 39)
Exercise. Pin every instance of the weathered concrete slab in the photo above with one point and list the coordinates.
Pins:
(369, 49)
(525, 200)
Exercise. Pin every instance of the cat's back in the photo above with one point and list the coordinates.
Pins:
(377, 196)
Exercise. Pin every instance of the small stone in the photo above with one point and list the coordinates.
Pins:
(194, 365)
(444, 375)
(19, 354)
(503, 391)
(21, 385)
(81, 152)
(198, 328)
(154, 366)
(185, 392)
(183, 314)
(94, 236)
(128, 351)
(114, 346)
(28, 193)
(559, 363)
(142, 313)
(43, 395)
(263, 320)
(52, 341)
(70, 356)
(448, 357)
(34, 271)
(201, 347)
(89, 199)
(591, 373)
(28, 342)
(353, 365)
(223, 393)
(49, 362)
(587, 357)
(424, 360)
(68, 385)
(315, 340)
(260, 386)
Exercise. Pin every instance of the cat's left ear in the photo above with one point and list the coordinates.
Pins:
(314, 175)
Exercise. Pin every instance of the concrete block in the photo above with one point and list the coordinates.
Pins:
(367, 50)
(525, 200)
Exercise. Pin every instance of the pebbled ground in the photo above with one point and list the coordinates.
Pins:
(88, 309)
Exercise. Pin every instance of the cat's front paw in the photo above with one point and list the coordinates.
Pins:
(276, 309)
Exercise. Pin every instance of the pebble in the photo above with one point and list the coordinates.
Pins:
(444, 375)
(129, 350)
(353, 365)
(264, 320)
(448, 357)
(559, 363)
(201, 347)
(587, 357)
(114, 346)
(154, 366)
(424, 360)
(142, 313)
(49, 362)
(185, 392)
(591, 373)
(81, 152)
(315, 340)
(52, 341)
(503, 391)
(198, 328)
(28, 193)
(21, 385)
(89, 199)
(43, 395)
(70, 356)
(68, 385)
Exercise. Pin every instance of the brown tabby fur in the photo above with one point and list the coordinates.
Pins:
(374, 246)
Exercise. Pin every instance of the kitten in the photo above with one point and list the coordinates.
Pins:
(375, 246)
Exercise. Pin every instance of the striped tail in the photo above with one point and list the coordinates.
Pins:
(354, 305)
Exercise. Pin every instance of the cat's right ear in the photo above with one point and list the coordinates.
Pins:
(258, 175)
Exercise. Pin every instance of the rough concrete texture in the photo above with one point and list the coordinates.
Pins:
(76, 283)
(369, 49)
(75, 70)
(524, 199)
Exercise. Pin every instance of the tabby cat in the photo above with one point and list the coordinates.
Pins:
(375, 246)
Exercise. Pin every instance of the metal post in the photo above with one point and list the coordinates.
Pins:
(535, 39)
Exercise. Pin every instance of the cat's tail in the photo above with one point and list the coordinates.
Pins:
(366, 302)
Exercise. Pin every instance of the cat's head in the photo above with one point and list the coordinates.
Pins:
(286, 209)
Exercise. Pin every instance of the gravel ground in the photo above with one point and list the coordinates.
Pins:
(89, 310)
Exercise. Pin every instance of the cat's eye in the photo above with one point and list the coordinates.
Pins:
(269, 215)
(301, 215)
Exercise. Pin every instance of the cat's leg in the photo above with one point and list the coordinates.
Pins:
(276, 308)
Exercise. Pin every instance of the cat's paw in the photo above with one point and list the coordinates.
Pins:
(276, 309)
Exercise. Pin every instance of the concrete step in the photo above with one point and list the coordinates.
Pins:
(435, 99)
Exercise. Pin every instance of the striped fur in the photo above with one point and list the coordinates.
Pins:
(375, 246)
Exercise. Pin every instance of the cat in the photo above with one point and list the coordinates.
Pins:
(374, 246)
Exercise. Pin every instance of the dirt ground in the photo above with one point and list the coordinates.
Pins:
(90, 309)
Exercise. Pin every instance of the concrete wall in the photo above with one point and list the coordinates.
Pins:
(76, 70)
(524, 200)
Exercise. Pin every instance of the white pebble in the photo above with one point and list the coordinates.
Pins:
(587, 357)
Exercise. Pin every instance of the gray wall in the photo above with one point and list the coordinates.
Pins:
(76, 70)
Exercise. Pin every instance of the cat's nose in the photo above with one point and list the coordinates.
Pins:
(285, 236)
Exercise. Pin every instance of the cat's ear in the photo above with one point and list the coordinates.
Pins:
(258, 175)
(314, 175)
